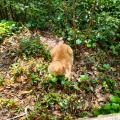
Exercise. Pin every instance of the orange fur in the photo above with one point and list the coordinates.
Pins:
(62, 60)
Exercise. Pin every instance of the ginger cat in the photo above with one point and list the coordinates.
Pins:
(62, 60)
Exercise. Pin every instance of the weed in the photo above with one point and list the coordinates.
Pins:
(2, 82)
(113, 106)
(10, 103)
(108, 84)
(7, 28)
(30, 47)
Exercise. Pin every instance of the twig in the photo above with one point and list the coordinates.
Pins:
(21, 115)
(90, 23)
(74, 25)
(17, 116)
(61, 9)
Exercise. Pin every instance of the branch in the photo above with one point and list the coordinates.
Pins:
(74, 25)
(27, 108)
(61, 9)
(90, 23)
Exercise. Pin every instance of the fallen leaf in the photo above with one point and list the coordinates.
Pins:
(98, 95)
(98, 59)
(2, 88)
(113, 69)
(56, 113)
(56, 106)
(102, 99)
(96, 72)
(25, 92)
(7, 81)
(86, 105)
(86, 53)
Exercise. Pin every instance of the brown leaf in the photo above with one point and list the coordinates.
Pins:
(7, 81)
(113, 69)
(96, 72)
(18, 79)
(21, 78)
(2, 88)
(15, 85)
(98, 59)
(56, 113)
(14, 105)
(56, 106)
(24, 92)
(102, 99)
(34, 69)
(86, 105)
(86, 53)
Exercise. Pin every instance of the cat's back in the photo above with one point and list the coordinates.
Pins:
(61, 48)
(61, 52)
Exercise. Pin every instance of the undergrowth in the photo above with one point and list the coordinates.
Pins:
(58, 98)
(8, 28)
(30, 47)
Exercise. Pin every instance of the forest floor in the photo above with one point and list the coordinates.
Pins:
(79, 99)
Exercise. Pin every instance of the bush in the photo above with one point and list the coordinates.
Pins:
(112, 107)
(7, 28)
(29, 47)
(97, 22)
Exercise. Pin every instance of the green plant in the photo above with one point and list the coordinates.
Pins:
(117, 92)
(103, 67)
(52, 100)
(95, 23)
(7, 28)
(34, 78)
(2, 81)
(30, 47)
(10, 103)
(109, 84)
(53, 80)
(84, 77)
(115, 49)
(112, 107)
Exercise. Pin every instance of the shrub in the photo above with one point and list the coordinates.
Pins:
(30, 47)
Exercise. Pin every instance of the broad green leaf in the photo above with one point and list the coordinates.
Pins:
(63, 82)
(54, 79)
(115, 52)
(117, 91)
(112, 47)
(75, 86)
(78, 41)
(115, 106)
(112, 111)
(96, 112)
(84, 77)
(107, 106)
(107, 66)
(115, 99)
(89, 45)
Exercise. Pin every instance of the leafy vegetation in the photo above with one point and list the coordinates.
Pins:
(90, 27)
(30, 47)
(112, 107)
(9, 103)
(2, 81)
(56, 95)
(97, 22)
(7, 28)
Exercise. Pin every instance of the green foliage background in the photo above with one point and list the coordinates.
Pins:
(57, 15)
(97, 26)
